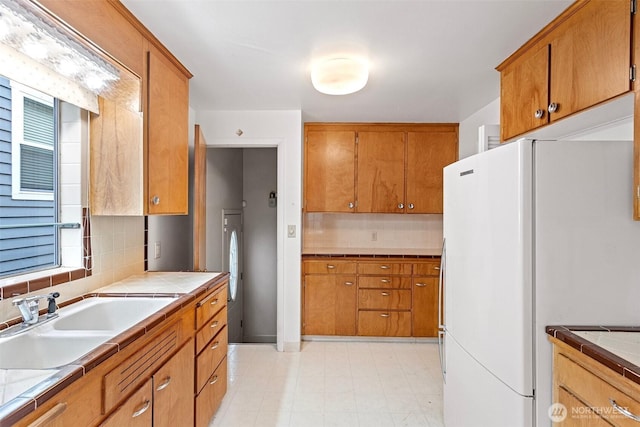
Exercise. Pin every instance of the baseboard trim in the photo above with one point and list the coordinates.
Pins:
(369, 339)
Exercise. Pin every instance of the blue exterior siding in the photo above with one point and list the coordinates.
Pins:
(25, 248)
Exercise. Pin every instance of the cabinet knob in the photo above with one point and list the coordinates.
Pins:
(553, 107)
(400, 205)
(155, 200)
(411, 206)
(539, 114)
(351, 205)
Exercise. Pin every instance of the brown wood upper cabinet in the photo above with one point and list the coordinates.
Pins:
(167, 142)
(162, 166)
(580, 59)
(377, 168)
(329, 172)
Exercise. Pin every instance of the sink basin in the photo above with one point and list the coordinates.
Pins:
(80, 328)
(45, 351)
(107, 314)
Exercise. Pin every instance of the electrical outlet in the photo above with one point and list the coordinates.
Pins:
(157, 251)
(374, 236)
(291, 231)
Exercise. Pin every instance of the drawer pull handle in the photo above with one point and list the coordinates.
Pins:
(146, 405)
(214, 302)
(436, 268)
(50, 415)
(164, 385)
(385, 280)
(421, 285)
(214, 324)
(214, 380)
(624, 411)
(384, 294)
(215, 345)
(384, 267)
(384, 315)
(348, 283)
(331, 266)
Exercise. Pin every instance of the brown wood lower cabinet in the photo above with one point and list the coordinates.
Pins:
(211, 355)
(364, 296)
(425, 298)
(384, 323)
(210, 398)
(160, 379)
(588, 389)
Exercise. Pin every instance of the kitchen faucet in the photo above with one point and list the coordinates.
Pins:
(29, 307)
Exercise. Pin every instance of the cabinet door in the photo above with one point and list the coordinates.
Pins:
(173, 390)
(425, 307)
(381, 175)
(136, 411)
(524, 91)
(167, 149)
(590, 57)
(329, 175)
(329, 305)
(427, 154)
(583, 415)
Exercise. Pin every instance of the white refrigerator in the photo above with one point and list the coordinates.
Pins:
(536, 233)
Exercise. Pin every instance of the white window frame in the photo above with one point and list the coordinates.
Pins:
(18, 93)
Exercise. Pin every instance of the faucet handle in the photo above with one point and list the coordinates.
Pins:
(51, 305)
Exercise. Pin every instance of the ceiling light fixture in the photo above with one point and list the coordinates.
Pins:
(339, 76)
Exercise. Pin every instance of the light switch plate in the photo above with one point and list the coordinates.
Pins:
(291, 231)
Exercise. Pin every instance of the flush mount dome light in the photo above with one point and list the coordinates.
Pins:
(339, 76)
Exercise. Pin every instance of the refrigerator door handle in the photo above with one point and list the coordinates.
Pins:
(441, 324)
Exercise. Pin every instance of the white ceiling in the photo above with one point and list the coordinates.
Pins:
(431, 61)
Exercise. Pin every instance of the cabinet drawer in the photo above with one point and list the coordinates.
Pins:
(136, 411)
(210, 358)
(209, 306)
(383, 299)
(127, 376)
(384, 323)
(427, 269)
(211, 329)
(209, 399)
(384, 268)
(329, 267)
(595, 391)
(387, 282)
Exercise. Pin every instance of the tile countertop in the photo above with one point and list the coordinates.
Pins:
(372, 252)
(617, 348)
(22, 390)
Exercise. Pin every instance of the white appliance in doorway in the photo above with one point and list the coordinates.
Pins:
(536, 233)
(232, 262)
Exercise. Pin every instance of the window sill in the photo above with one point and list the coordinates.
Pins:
(14, 286)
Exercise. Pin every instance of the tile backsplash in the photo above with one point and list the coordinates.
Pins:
(117, 245)
(389, 234)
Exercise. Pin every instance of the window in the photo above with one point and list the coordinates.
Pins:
(33, 139)
(28, 168)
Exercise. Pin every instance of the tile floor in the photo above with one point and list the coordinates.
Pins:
(347, 384)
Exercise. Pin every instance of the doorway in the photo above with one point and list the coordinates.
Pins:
(242, 197)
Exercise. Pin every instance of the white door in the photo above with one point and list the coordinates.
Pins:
(232, 262)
